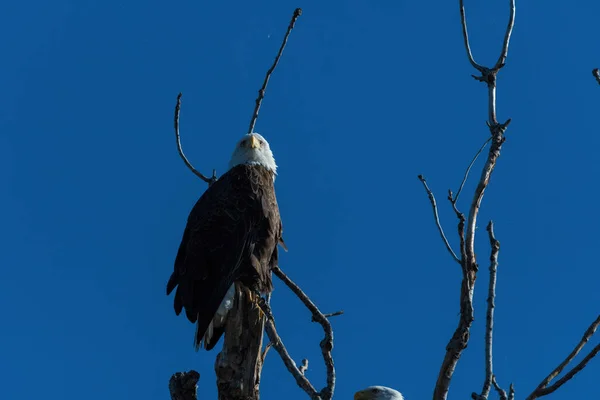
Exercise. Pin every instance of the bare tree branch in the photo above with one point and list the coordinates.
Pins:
(501, 392)
(210, 180)
(326, 344)
(511, 23)
(261, 92)
(543, 389)
(461, 227)
(289, 363)
(304, 366)
(462, 184)
(463, 21)
(329, 315)
(596, 73)
(437, 218)
(489, 326)
(259, 99)
(468, 261)
(183, 385)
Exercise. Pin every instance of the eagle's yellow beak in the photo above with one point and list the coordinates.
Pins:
(254, 142)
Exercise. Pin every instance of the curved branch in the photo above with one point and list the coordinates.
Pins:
(327, 343)
(437, 218)
(261, 92)
(463, 20)
(210, 180)
(509, 29)
(277, 344)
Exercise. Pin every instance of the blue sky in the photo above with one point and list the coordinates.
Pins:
(368, 95)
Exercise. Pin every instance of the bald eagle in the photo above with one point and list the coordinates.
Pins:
(378, 393)
(231, 236)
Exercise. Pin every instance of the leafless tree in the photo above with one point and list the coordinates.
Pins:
(239, 364)
(467, 259)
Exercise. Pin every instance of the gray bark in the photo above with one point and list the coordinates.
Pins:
(238, 366)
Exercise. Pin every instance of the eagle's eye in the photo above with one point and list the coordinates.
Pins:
(375, 390)
(243, 143)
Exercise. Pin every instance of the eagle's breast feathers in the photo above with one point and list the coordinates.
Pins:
(231, 235)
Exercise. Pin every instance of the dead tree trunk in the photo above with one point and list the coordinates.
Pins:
(239, 364)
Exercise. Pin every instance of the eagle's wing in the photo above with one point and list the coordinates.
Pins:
(219, 246)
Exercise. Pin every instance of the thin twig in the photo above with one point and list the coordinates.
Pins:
(596, 73)
(210, 180)
(329, 315)
(265, 351)
(261, 92)
(437, 218)
(543, 388)
(327, 343)
(304, 367)
(461, 228)
(462, 184)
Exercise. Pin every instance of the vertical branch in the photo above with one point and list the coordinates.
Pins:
(489, 328)
(261, 92)
(460, 338)
(489, 325)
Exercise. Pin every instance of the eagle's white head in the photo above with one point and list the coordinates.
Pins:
(253, 149)
(378, 393)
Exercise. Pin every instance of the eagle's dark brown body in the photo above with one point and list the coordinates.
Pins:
(231, 235)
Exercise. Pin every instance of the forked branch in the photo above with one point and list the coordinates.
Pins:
(502, 392)
(468, 261)
(259, 99)
(326, 344)
(543, 389)
(276, 343)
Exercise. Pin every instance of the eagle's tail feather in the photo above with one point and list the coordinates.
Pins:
(215, 305)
